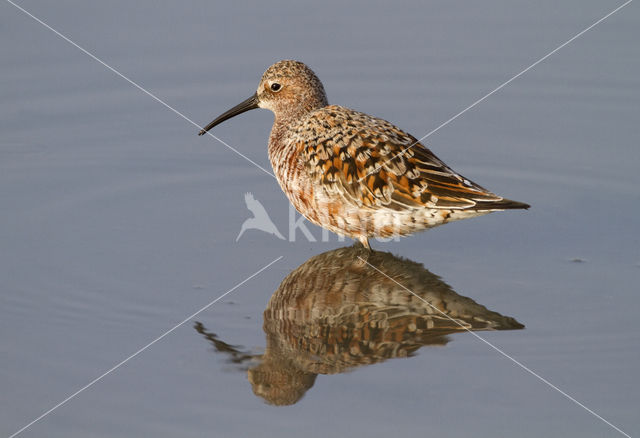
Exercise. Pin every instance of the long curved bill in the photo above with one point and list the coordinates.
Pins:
(249, 104)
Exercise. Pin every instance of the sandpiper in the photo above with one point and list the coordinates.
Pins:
(352, 173)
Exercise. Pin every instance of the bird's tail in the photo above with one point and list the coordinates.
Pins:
(503, 204)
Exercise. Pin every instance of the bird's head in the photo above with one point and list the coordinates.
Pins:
(288, 88)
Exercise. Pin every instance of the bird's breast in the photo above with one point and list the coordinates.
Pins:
(291, 173)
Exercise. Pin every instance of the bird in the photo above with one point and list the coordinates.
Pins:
(344, 309)
(260, 220)
(352, 173)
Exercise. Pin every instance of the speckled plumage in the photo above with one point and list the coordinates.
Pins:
(355, 174)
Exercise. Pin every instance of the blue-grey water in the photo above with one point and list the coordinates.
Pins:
(118, 222)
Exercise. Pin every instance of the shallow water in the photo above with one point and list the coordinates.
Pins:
(118, 221)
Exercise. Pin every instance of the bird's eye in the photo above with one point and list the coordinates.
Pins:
(275, 87)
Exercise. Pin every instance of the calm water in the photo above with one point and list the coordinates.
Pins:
(118, 222)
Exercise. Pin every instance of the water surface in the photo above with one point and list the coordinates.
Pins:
(118, 221)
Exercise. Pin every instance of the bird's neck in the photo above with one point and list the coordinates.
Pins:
(283, 149)
(288, 112)
(285, 122)
(287, 119)
(280, 148)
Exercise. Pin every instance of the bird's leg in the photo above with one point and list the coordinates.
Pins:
(364, 240)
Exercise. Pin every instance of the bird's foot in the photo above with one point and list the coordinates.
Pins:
(362, 242)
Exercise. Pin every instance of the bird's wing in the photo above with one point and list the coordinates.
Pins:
(253, 205)
(373, 163)
(248, 198)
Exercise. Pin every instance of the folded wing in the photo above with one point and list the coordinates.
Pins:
(374, 164)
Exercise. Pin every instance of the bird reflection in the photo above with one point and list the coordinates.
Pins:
(347, 308)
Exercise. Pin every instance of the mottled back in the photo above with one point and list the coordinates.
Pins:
(375, 164)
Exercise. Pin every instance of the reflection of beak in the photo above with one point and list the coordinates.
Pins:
(249, 104)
